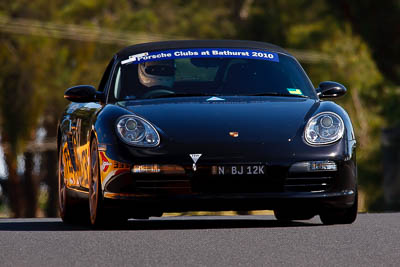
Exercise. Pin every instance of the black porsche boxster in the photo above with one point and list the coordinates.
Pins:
(206, 125)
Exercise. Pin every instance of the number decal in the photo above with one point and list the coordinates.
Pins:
(239, 170)
(262, 55)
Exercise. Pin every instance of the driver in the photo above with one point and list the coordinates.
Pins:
(159, 74)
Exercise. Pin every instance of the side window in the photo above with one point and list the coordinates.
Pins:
(117, 84)
(105, 77)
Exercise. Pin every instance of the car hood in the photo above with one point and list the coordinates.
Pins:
(202, 126)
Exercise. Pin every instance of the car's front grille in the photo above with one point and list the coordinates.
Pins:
(153, 184)
(236, 184)
(201, 181)
(148, 184)
(207, 184)
(309, 182)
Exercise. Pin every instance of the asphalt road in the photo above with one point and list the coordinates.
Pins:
(373, 240)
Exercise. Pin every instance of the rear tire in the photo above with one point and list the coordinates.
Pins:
(340, 216)
(71, 209)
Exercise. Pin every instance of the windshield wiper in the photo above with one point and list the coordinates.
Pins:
(278, 94)
(182, 95)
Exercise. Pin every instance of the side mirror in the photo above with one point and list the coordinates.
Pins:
(83, 93)
(331, 89)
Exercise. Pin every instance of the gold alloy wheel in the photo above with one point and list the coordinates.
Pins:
(94, 184)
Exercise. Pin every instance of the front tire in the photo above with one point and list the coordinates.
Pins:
(341, 216)
(99, 215)
(96, 210)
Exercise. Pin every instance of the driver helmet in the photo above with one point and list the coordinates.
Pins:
(157, 73)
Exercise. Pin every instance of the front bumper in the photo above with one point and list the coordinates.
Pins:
(238, 201)
(201, 191)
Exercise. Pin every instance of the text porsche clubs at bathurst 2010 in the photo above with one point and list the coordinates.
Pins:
(206, 126)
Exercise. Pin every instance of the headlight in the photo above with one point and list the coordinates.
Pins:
(136, 131)
(324, 128)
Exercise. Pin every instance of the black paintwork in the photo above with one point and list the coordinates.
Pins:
(331, 89)
(83, 94)
(270, 132)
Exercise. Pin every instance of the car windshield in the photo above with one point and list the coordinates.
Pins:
(217, 72)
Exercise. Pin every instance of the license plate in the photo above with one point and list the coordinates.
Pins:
(238, 170)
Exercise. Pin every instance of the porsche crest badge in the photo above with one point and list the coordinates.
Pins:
(195, 158)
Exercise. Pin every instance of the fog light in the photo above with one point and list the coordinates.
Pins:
(313, 166)
(154, 168)
(323, 166)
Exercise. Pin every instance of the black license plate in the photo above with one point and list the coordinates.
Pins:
(238, 170)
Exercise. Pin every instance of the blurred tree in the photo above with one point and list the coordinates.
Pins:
(28, 87)
(30, 186)
(378, 24)
(19, 116)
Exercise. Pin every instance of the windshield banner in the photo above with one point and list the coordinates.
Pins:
(202, 53)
